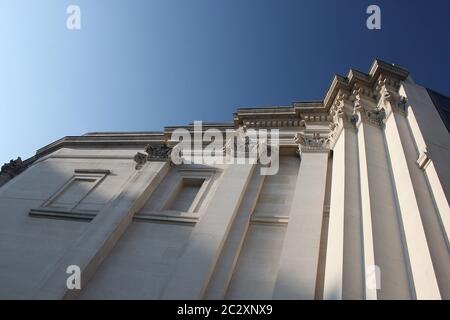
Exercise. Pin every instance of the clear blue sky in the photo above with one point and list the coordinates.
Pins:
(143, 65)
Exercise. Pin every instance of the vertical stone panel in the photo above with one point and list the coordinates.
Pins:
(358, 247)
(335, 246)
(220, 280)
(388, 244)
(435, 236)
(299, 260)
(195, 266)
(422, 276)
(257, 267)
(344, 275)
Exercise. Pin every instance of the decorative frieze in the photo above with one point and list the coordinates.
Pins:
(272, 123)
(310, 118)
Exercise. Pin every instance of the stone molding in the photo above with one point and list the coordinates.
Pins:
(296, 116)
(424, 160)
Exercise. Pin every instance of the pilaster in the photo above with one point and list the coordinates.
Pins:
(299, 259)
(422, 277)
(196, 265)
(344, 270)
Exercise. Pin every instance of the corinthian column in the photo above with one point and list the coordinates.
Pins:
(385, 261)
(344, 271)
(299, 260)
(422, 274)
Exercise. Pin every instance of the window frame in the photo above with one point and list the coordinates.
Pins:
(192, 215)
(71, 211)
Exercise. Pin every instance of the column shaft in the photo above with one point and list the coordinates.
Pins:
(366, 217)
(297, 272)
(434, 183)
(220, 280)
(421, 267)
(333, 281)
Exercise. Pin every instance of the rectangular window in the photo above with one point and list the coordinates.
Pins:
(182, 195)
(74, 192)
(183, 199)
(71, 201)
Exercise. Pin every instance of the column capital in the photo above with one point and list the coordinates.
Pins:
(312, 143)
(388, 91)
(375, 117)
(160, 152)
(366, 108)
(343, 115)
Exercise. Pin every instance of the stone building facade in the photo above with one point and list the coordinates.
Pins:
(357, 210)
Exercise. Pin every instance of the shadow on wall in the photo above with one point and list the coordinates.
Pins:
(30, 246)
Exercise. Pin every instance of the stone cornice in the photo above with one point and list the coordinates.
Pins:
(366, 80)
(105, 140)
(317, 111)
(296, 116)
(205, 126)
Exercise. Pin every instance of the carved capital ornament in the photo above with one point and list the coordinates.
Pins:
(13, 168)
(314, 143)
(154, 153)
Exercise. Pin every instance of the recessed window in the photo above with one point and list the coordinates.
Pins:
(74, 199)
(74, 192)
(183, 199)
